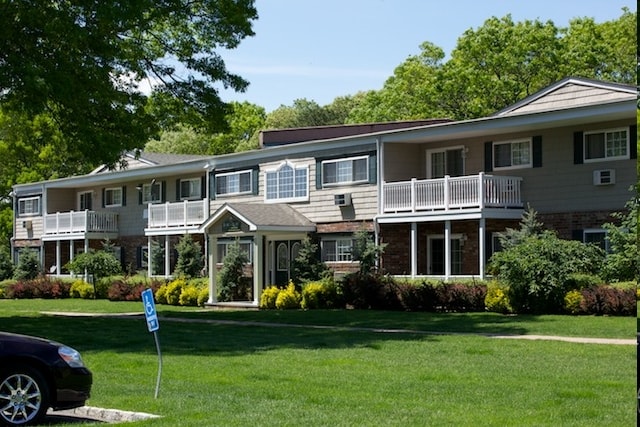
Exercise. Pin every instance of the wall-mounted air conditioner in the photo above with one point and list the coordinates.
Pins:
(27, 224)
(604, 177)
(342, 199)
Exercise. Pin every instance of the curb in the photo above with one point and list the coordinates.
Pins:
(111, 416)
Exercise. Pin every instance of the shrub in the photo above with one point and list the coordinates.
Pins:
(6, 265)
(607, 300)
(230, 278)
(121, 290)
(497, 300)
(322, 294)
(190, 260)
(161, 294)
(307, 266)
(370, 291)
(288, 298)
(189, 295)
(460, 297)
(81, 289)
(572, 301)
(582, 281)
(203, 296)
(42, 287)
(174, 289)
(28, 265)
(269, 297)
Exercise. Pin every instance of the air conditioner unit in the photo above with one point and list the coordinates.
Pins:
(27, 224)
(342, 199)
(604, 177)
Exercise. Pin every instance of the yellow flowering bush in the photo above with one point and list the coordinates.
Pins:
(572, 301)
(497, 300)
(269, 296)
(288, 298)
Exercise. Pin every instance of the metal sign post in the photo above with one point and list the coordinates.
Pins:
(153, 326)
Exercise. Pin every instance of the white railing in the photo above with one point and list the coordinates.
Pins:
(180, 214)
(475, 191)
(80, 222)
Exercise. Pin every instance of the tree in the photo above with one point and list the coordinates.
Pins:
(307, 266)
(97, 264)
(623, 263)
(303, 113)
(366, 251)
(83, 62)
(231, 277)
(529, 226)
(6, 264)
(190, 260)
(28, 265)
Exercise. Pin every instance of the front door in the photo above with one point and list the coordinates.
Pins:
(285, 252)
(445, 162)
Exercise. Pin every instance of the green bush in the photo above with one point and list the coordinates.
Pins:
(174, 289)
(572, 302)
(161, 294)
(582, 281)
(203, 296)
(288, 298)
(497, 300)
(28, 265)
(81, 289)
(321, 294)
(189, 295)
(269, 297)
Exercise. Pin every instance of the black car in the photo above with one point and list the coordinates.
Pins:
(37, 374)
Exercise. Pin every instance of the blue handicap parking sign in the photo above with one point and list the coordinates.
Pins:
(150, 310)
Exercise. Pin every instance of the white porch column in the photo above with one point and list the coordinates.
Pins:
(447, 249)
(414, 249)
(86, 273)
(72, 250)
(213, 255)
(481, 247)
(167, 257)
(58, 257)
(258, 269)
(149, 258)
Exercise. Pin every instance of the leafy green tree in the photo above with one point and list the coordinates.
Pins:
(307, 266)
(303, 113)
(6, 264)
(83, 63)
(190, 260)
(366, 251)
(529, 226)
(157, 257)
(182, 139)
(6, 225)
(28, 266)
(623, 263)
(231, 280)
(98, 264)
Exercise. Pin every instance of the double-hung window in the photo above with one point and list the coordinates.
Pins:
(29, 206)
(597, 237)
(234, 183)
(512, 154)
(190, 189)
(287, 183)
(610, 144)
(113, 197)
(353, 170)
(152, 192)
(337, 250)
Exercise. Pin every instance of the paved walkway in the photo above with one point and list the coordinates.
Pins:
(583, 340)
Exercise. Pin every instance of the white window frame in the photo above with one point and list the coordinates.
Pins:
(29, 206)
(235, 191)
(148, 193)
(444, 150)
(226, 243)
(511, 144)
(342, 249)
(350, 161)
(113, 190)
(195, 189)
(587, 231)
(270, 174)
(606, 157)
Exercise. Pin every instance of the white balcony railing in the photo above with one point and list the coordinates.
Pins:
(80, 222)
(475, 191)
(180, 214)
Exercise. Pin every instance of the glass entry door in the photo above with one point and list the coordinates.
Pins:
(445, 162)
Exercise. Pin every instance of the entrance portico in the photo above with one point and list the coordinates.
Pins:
(270, 232)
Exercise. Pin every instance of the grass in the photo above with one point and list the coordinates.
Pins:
(240, 374)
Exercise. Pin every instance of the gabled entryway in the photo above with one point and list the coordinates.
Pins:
(269, 233)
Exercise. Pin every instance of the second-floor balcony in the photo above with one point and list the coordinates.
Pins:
(189, 213)
(449, 193)
(61, 223)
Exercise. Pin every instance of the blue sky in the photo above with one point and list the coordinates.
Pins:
(322, 49)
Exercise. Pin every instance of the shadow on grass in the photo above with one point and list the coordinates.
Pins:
(249, 332)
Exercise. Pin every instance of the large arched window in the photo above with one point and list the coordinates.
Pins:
(287, 183)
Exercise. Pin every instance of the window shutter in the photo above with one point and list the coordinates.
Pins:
(124, 195)
(373, 169)
(488, 244)
(104, 193)
(139, 257)
(255, 176)
(488, 156)
(577, 235)
(633, 142)
(177, 190)
(212, 186)
(537, 151)
(203, 187)
(318, 174)
(163, 191)
(140, 187)
(578, 148)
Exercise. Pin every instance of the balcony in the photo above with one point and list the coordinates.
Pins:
(190, 213)
(449, 193)
(68, 223)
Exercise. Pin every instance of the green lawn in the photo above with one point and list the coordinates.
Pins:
(235, 374)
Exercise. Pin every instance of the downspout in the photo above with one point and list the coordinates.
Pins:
(379, 168)
(14, 208)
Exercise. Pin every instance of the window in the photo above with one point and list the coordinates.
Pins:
(512, 154)
(29, 206)
(345, 171)
(112, 197)
(606, 145)
(190, 189)
(597, 237)
(152, 192)
(445, 162)
(233, 183)
(223, 249)
(287, 183)
(337, 250)
(85, 200)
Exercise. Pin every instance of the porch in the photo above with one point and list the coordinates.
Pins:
(452, 193)
(185, 214)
